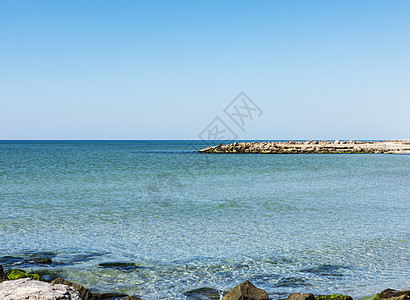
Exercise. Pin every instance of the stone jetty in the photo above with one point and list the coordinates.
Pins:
(294, 147)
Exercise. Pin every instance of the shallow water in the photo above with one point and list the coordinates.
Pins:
(288, 223)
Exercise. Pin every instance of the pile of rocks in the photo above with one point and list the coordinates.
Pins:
(17, 284)
(293, 147)
(61, 289)
(247, 291)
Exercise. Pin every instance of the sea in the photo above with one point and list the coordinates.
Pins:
(159, 220)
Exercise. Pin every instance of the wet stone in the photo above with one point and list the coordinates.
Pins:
(98, 296)
(300, 296)
(202, 294)
(83, 257)
(43, 260)
(395, 295)
(49, 274)
(10, 260)
(246, 291)
(119, 266)
(39, 254)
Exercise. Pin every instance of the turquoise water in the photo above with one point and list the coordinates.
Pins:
(288, 223)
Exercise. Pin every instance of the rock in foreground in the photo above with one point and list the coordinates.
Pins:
(300, 296)
(333, 297)
(391, 294)
(29, 289)
(246, 291)
(85, 293)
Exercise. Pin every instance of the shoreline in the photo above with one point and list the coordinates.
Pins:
(312, 147)
(17, 284)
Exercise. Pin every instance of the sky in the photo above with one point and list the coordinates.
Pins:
(168, 69)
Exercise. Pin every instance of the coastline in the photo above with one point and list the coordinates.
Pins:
(34, 276)
(16, 284)
(307, 147)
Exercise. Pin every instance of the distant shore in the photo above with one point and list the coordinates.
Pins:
(305, 147)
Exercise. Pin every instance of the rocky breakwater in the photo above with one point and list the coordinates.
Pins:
(294, 147)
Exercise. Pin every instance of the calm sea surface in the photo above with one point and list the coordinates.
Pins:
(288, 223)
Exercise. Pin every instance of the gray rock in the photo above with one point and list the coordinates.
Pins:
(246, 291)
(300, 296)
(29, 289)
(85, 293)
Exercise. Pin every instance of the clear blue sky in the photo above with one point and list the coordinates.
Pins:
(165, 69)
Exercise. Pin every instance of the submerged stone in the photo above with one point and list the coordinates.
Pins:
(292, 282)
(82, 257)
(43, 260)
(49, 274)
(98, 296)
(325, 270)
(119, 265)
(9, 260)
(39, 254)
(203, 293)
